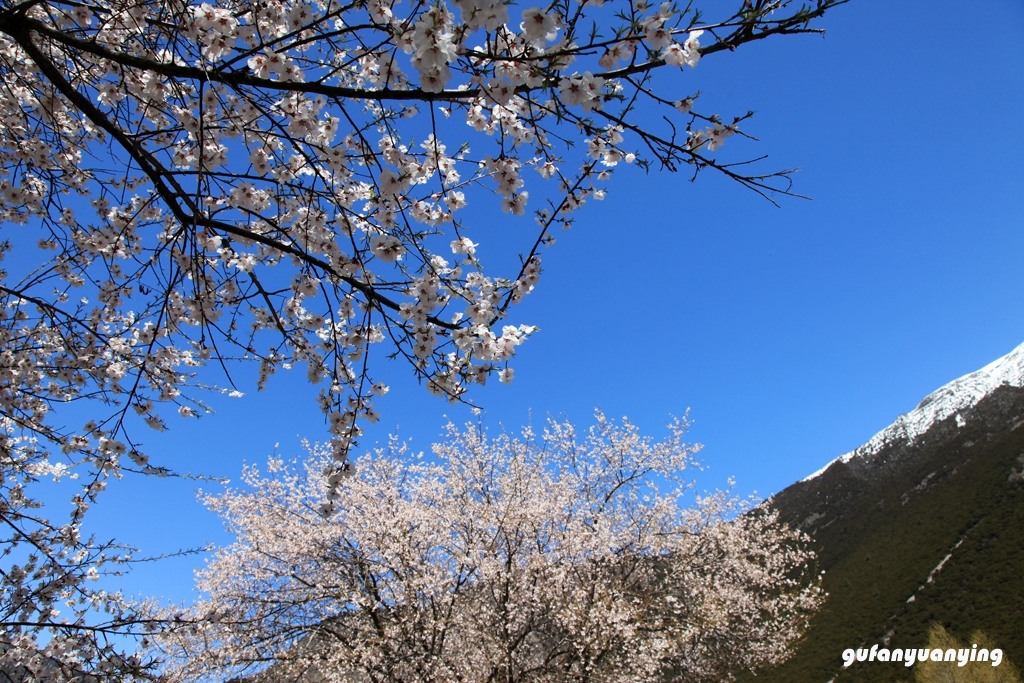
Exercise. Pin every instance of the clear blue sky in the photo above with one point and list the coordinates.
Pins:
(793, 334)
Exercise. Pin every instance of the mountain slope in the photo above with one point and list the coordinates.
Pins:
(949, 400)
(923, 523)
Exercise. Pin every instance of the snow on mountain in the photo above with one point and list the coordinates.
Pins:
(951, 399)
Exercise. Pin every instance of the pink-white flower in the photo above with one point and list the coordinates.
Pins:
(540, 24)
(584, 89)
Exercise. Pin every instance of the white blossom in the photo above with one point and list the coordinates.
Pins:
(540, 24)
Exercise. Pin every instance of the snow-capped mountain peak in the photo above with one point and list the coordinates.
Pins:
(951, 399)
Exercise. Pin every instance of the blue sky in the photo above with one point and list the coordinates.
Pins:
(792, 333)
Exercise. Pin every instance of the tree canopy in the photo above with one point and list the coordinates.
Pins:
(553, 556)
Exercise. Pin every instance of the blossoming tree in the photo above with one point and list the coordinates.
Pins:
(551, 557)
(293, 183)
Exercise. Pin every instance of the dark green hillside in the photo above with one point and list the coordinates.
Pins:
(883, 524)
